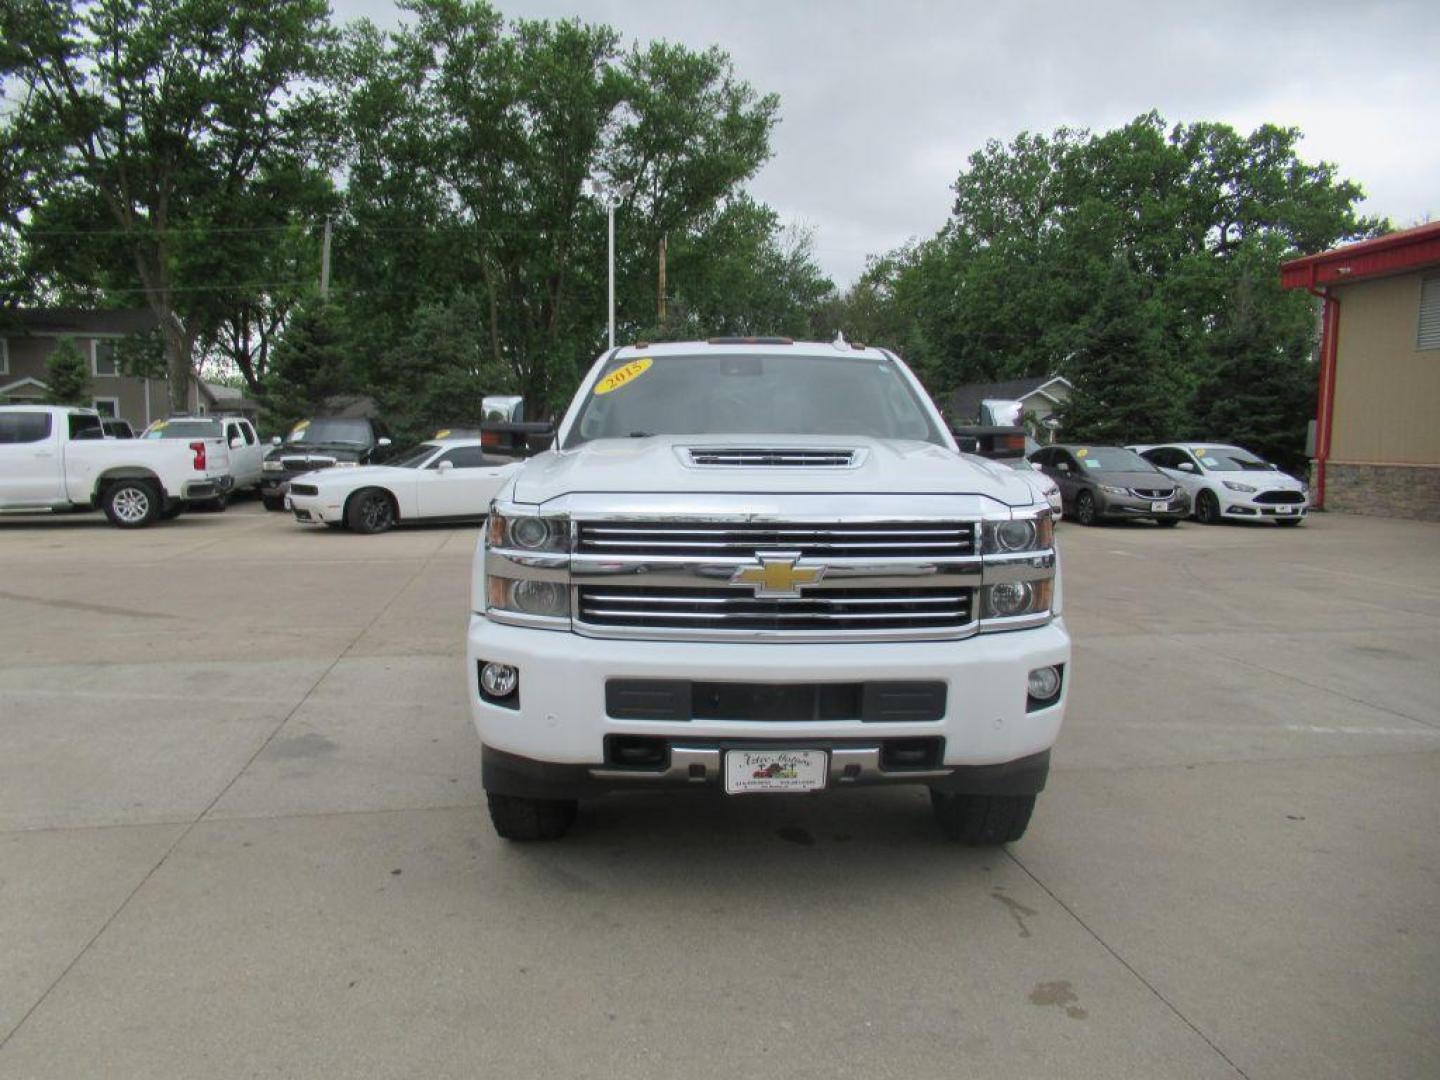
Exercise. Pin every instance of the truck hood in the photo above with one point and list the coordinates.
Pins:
(661, 464)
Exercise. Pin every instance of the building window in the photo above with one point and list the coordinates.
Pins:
(106, 406)
(1428, 336)
(4, 357)
(104, 358)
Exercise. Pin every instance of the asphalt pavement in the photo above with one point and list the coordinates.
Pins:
(242, 834)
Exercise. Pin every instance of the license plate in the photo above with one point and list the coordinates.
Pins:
(747, 771)
(1285, 510)
(1163, 504)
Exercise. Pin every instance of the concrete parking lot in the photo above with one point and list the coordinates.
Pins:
(242, 834)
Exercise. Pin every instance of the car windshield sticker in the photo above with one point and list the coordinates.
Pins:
(297, 433)
(1209, 462)
(623, 376)
(1082, 451)
(1092, 464)
(442, 433)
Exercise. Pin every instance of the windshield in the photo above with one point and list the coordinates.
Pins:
(1112, 459)
(1228, 459)
(183, 429)
(752, 394)
(413, 457)
(348, 432)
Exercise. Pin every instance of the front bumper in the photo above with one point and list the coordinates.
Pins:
(1242, 506)
(1127, 506)
(315, 509)
(561, 718)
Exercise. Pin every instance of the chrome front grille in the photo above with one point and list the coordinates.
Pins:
(780, 457)
(306, 464)
(739, 539)
(828, 610)
(1154, 493)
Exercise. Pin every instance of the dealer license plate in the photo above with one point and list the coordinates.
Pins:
(1163, 504)
(1285, 510)
(747, 771)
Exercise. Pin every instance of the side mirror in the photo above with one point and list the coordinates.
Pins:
(236, 443)
(445, 466)
(274, 440)
(1063, 466)
(384, 440)
(1187, 466)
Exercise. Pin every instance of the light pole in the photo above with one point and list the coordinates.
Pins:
(611, 197)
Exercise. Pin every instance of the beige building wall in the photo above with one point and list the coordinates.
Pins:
(1387, 392)
(137, 400)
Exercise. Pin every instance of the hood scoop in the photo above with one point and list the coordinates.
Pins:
(777, 457)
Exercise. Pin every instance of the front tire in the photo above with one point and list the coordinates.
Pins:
(371, 511)
(1085, 508)
(982, 820)
(273, 503)
(1207, 508)
(132, 504)
(216, 505)
(526, 820)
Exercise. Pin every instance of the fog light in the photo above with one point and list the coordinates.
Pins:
(500, 680)
(1044, 683)
(1009, 598)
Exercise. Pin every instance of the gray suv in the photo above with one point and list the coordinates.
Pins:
(1099, 482)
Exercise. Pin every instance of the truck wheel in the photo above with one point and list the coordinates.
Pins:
(131, 504)
(1085, 508)
(1207, 508)
(273, 503)
(521, 819)
(174, 510)
(982, 820)
(216, 505)
(370, 511)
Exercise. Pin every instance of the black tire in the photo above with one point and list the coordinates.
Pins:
(1168, 523)
(1207, 508)
(371, 510)
(1291, 522)
(273, 503)
(1085, 508)
(174, 510)
(216, 505)
(982, 820)
(524, 820)
(132, 504)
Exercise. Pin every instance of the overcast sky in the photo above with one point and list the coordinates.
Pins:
(881, 102)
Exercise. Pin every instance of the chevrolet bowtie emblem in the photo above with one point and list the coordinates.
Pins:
(777, 576)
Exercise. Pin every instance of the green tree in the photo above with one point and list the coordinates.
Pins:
(166, 129)
(310, 366)
(67, 375)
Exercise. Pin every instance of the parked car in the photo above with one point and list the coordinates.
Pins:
(1099, 482)
(116, 428)
(324, 442)
(1229, 482)
(444, 479)
(1040, 482)
(57, 458)
(246, 450)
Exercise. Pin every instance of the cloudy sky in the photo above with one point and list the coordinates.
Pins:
(882, 100)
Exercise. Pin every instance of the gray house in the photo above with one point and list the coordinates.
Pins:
(29, 336)
(1039, 397)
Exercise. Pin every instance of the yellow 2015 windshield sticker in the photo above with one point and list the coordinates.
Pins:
(1084, 451)
(623, 376)
(442, 433)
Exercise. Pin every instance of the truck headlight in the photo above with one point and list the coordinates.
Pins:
(529, 532)
(1235, 485)
(1017, 534)
(1007, 599)
(529, 596)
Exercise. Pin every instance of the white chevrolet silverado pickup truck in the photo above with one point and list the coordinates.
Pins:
(758, 566)
(58, 458)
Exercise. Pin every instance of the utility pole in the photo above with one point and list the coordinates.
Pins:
(660, 308)
(325, 262)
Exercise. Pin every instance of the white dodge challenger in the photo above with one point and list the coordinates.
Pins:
(440, 480)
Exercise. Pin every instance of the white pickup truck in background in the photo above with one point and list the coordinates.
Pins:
(57, 458)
